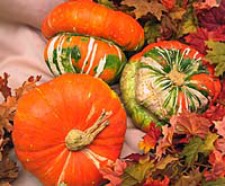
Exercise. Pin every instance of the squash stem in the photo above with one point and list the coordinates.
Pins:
(77, 139)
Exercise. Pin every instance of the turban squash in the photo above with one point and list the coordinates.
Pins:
(167, 78)
(93, 19)
(86, 55)
(64, 132)
(108, 28)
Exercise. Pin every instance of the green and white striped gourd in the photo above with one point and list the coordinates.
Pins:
(165, 79)
(70, 53)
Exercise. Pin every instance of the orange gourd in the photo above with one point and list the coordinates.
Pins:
(164, 79)
(86, 55)
(64, 131)
(90, 18)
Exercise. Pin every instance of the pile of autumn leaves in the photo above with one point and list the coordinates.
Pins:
(190, 150)
(8, 168)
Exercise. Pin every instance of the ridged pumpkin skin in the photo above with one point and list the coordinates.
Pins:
(51, 120)
(89, 18)
(164, 79)
(86, 55)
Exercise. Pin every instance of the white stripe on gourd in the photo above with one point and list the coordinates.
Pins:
(119, 52)
(96, 158)
(101, 66)
(62, 175)
(59, 53)
(90, 47)
(50, 53)
(93, 54)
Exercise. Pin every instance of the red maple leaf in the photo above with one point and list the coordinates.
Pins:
(4, 88)
(220, 145)
(150, 139)
(213, 17)
(205, 5)
(221, 96)
(220, 127)
(217, 160)
(151, 182)
(197, 39)
(166, 141)
(113, 172)
(190, 124)
(169, 4)
(215, 113)
(217, 34)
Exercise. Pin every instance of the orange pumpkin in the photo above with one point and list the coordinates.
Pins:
(64, 131)
(87, 55)
(90, 18)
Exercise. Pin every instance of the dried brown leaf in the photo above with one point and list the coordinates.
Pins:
(27, 86)
(4, 89)
(144, 7)
(8, 170)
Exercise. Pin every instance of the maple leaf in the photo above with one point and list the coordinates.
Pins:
(169, 4)
(134, 157)
(28, 85)
(220, 145)
(215, 113)
(217, 160)
(4, 89)
(8, 170)
(156, 182)
(137, 172)
(152, 31)
(177, 13)
(113, 172)
(169, 28)
(220, 127)
(144, 7)
(209, 144)
(191, 150)
(189, 23)
(7, 112)
(217, 34)
(212, 18)
(191, 124)
(165, 142)
(217, 182)
(150, 139)
(192, 178)
(197, 39)
(216, 55)
(206, 5)
(165, 161)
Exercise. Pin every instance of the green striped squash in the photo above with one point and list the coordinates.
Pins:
(164, 79)
(70, 53)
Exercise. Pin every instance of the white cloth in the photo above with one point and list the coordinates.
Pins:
(21, 55)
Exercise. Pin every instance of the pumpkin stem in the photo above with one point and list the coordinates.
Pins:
(176, 77)
(77, 139)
